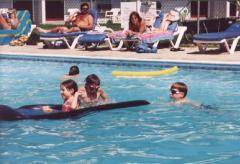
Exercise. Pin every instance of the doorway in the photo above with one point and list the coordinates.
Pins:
(54, 10)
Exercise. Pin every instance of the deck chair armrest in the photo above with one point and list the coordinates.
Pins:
(180, 29)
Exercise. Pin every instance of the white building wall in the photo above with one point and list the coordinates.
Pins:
(37, 10)
(219, 9)
(167, 5)
(6, 3)
(115, 3)
(71, 4)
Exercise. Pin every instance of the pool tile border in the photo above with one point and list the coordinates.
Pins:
(156, 63)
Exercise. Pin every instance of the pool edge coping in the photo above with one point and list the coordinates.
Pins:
(122, 59)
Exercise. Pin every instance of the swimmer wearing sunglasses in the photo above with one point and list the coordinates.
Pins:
(178, 93)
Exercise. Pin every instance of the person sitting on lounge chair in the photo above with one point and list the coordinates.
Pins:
(9, 20)
(82, 21)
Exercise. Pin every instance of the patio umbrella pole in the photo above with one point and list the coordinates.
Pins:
(198, 16)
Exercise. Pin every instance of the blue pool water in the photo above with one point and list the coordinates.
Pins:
(157, 133)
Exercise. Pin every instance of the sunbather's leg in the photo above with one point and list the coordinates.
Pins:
(39, 29)
(53, 30)
(164, 25)
(4, 24)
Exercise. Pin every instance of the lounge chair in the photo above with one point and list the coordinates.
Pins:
(149, 38)
(173, 31)
(53, 39)
(70, 39)
(24, 27)
(232, 33)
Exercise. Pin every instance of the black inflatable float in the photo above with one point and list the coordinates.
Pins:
(35, 111)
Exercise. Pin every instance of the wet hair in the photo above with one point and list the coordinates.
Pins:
(182, 87)
(92, 79)
(131, 25)
(74, 70)
(84, 4)
(70, 84)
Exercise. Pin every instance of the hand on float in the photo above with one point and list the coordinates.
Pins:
(81, 93)
(47, 109)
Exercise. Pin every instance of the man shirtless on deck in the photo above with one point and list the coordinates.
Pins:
(82, 21)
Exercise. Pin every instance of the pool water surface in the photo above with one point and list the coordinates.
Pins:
(157, 133)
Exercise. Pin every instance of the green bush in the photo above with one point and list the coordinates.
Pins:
(48, 26)
(114, 26)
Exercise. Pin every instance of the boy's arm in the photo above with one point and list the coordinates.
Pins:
(104, 96)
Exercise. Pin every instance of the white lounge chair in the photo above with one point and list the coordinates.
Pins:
(113, 15)
(70, 39)
(173, 31)
(231, 34)
(150, 38)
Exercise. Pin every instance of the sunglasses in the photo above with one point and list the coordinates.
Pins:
(174, 91)
(94, 87)
(84, 8)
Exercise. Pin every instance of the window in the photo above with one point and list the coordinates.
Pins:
(159, 5)
(233, 8)
(58, 7)
(203, 9)
(102, 8)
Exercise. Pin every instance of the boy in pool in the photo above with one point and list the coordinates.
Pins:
(91, 94)
(67, 89)
(73, 74)
(178, 93)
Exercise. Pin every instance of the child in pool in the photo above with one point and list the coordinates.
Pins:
(67, 89)
(74, 74)
(178, 93)
(91, 94)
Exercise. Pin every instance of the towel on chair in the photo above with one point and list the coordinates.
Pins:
(155, 36)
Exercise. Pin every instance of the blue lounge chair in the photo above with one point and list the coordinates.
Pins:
(24, 27)
(173, 29)
(232, 33)
(70, 38)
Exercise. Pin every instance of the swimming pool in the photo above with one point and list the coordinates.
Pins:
(158, 133)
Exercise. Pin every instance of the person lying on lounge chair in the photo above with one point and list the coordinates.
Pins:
(82, 21)
(9, 20)
(136, 24)
(171, 16)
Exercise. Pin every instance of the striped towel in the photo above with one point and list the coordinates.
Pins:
(155, 36)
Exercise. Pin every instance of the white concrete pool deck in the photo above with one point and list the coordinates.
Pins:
(189, 54)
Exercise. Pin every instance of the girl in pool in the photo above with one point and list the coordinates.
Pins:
(67, 89)
(91, 94)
